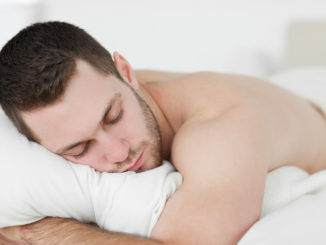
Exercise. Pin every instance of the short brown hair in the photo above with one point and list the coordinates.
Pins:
(37, 63)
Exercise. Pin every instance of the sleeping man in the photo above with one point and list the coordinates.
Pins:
(222, 132)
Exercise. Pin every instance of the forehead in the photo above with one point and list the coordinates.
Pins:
(80, 108)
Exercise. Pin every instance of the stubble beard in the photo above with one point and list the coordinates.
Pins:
(155, 142)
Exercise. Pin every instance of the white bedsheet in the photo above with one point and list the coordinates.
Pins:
(294, 210)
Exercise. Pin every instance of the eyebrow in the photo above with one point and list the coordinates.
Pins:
(106, 112)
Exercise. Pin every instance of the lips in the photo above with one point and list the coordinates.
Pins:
(137, 164)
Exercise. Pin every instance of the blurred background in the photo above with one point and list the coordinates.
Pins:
(255, 37)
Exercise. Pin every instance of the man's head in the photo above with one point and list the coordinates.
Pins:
(61, 88)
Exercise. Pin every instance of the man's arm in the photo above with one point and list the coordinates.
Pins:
(224, 164)
(66, 232)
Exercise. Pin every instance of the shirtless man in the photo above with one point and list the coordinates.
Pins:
(222, 132)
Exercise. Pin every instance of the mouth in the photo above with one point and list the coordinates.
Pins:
(137, 164)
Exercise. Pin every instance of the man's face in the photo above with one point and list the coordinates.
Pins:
(101, 122)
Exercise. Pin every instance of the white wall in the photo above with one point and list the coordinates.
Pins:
(245, 36)
(16, 14)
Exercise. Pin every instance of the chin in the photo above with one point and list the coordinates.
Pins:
(149, 166)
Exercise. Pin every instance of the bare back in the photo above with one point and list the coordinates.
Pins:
(229, 132)
(300, 130)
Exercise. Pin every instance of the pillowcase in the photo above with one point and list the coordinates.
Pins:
(35, 183)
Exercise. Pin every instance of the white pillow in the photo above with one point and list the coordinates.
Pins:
(35, 183)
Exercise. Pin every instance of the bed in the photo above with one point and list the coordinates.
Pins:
(294, 204)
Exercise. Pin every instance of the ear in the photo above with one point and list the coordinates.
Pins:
(125, 70)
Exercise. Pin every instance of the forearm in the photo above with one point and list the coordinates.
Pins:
(67, 231)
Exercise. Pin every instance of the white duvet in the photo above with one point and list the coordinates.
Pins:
(35, 183)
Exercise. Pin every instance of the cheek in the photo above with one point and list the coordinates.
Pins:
(133, 125)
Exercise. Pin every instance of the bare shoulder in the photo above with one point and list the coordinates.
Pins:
(279, 110)
(195, 94)
(237, 131)
(223, 149)
(207, 144)
(219, 162)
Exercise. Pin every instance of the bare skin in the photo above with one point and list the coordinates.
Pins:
(224, 133)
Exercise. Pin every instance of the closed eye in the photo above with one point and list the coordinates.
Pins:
(117, 118)
(86, 148)
(84, 151)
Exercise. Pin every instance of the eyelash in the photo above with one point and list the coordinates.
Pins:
(115, 120)
(84, 151)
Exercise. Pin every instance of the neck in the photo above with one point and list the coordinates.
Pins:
(166, 130)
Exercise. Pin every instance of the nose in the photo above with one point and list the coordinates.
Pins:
(113, 149)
